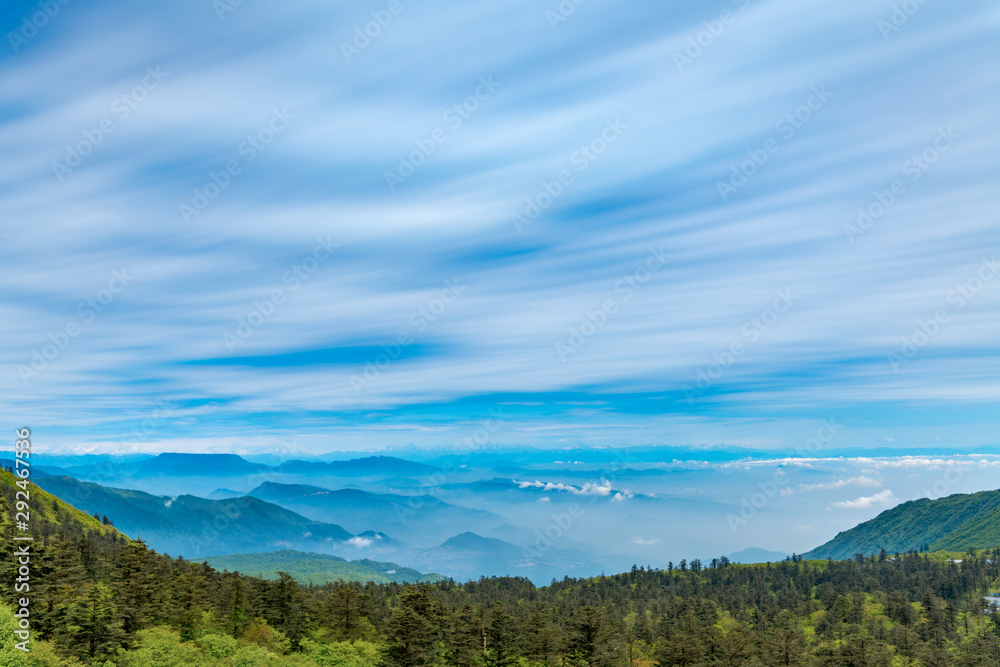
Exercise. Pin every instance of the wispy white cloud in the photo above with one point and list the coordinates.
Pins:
(324, 176)
(865, 502)
(860, 480)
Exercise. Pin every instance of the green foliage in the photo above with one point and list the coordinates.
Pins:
(255, 656)
(344, 654)
(954, 523)
(162, 647)
(502, 645)
(47, 509)
(414, 629)
(10, 656)
(39, 654)
(218, 646)
(264, 636)
(307, 568)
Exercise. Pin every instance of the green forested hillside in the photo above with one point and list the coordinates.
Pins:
(309, 568)
(954, 523)
(99, 599)
(197, 527)
(49, 512)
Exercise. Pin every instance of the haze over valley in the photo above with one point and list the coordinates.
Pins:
(533, 513)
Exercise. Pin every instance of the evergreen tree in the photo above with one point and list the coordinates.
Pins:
(133, 587)
(413, 630)
(92, 627)
(287, 608)
(501, 639)
(466, 639)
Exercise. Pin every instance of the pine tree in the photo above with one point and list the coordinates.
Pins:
(235, 604)
(465, 638)
(344, 612)
(287, 608)
(413, 629)
(92, 629)
(543, 640)
(133, 594)
(501, 639)
(60, 577)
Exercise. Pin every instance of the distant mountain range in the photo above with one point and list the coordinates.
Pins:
(469, 555)
(954, 523)
(371, 465)
(231, 465)
(201, 528)
(756, 555)
(36, 470)
(197, 527)
(49, 507)
(169, 465)
(418, 518)
(399, 519)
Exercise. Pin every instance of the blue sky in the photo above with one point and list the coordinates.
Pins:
(257, 226)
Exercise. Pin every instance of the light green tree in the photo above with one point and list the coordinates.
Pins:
(10, 656)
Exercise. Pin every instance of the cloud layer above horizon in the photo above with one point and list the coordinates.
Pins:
(389, 223)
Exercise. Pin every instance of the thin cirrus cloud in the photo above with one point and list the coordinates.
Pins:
(860, 480)
(655, 188)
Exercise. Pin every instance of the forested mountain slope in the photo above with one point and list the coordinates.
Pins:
(955, 523)
(307, 568)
